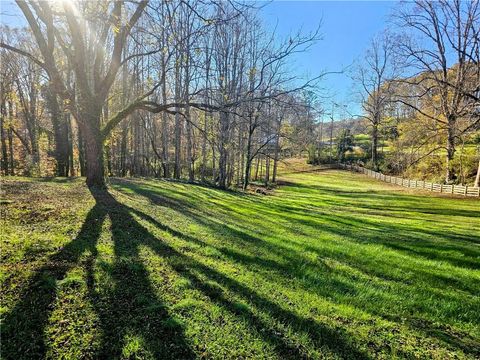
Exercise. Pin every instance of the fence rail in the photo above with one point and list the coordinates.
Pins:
(416, 184)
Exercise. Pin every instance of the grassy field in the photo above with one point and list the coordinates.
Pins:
(331, 265)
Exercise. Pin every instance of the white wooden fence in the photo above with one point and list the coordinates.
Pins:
(416, 184)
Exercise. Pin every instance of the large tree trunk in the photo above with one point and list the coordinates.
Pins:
(89, 122)
(94, 159)
(450, 173)
(60, 133)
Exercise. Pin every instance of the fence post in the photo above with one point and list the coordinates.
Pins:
(465, 190)
(441, 188)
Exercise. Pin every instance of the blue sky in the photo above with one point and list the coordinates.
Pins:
(347, 28)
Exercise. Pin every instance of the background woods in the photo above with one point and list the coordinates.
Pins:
(177, 89)
(203, 91)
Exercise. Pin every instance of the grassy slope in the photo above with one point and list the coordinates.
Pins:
(332, 265)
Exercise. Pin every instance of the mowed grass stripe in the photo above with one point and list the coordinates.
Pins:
(331, 265)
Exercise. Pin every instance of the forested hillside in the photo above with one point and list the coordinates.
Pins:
(204, 91)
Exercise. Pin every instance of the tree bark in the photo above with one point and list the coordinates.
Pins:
(60, 133)
(69, 120)
(89, 122)
(375, 147)
(450, 173)
(267, 169)
(10, 150)
(3, 138)
(477, 178)
(223, 156)
(257, 167)
(81, 152)
(190, 160)
(204, 148)
(94, 158)
(275, 158)
(165, 137)
(248, 165)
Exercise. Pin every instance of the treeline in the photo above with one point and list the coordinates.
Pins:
(182, 89)
(419, 85)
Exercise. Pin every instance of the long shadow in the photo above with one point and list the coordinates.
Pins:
(412, 240)
(344, 228)
(418, 242)
(24, 326)
(396, 201)
(129, 308)
(132, 307)
(334, 340)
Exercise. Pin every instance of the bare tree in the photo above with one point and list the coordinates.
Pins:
(435, 31)
(94, 72)
(375, 78)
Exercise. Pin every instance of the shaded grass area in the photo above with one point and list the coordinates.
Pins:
(332, 265)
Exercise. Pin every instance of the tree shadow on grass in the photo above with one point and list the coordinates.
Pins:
(131, 308)
(323, 337)
(458, 250)
(349, 229)
(24, 326)
(335, 341)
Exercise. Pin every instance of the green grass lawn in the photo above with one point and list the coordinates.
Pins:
(331, 265)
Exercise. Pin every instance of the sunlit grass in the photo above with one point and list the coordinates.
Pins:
(332, 265)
